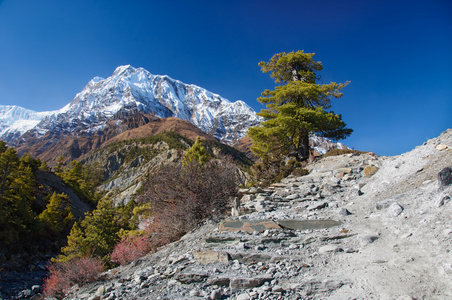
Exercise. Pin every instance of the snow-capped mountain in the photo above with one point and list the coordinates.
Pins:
(16, 120)
(128, 91)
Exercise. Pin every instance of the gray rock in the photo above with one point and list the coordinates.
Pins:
(244, 296)
(334, 180)
(318, 206)
(292, 197)
(293, 246)
(247, 283)
(261, 197)
(443, 199)
(260, 206)
(367, 238)
(215, 295)
(345, 212)
(445, 177)
(394, 210)
(222, 281)
(247, 198)
(277, 289)
(190, 277)
(328, 248)
(384, 204)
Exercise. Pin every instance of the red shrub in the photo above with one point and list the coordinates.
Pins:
(130, 248)
(56, 283)
(65, 274)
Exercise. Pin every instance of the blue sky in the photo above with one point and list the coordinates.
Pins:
(397, 54)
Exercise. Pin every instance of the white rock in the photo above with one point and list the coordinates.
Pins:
(394, 210)
(328, 248)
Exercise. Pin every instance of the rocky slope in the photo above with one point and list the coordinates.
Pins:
(359, 226)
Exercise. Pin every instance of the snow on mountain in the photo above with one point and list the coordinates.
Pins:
(16, 120)
(130, 90)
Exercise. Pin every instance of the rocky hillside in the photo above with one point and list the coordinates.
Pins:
(359, 226)
(129, 157)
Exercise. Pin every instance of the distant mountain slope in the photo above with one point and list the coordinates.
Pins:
(16, 120)
(134, 127)
(157, 126)
(129, 91)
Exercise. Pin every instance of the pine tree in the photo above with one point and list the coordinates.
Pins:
(58, 215)
(196, 153)
(297, 108)
(44, 166)
(17, 184)
(95, 236)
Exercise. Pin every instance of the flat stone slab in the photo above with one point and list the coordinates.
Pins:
(248, 283)
(248, 225)
(308, 224)
(205, 257)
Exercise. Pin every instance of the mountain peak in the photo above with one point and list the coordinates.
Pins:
(124, 70)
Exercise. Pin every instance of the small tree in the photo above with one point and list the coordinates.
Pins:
(57, 215)
(296, 108)
(95, 236)
(197, 153)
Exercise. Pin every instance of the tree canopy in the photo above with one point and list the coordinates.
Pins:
(296, 108)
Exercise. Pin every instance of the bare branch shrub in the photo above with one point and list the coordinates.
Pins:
(181, 196)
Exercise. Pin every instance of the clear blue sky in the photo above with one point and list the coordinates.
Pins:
(397, 54)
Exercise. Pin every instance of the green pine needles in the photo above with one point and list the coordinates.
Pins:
(297, 108)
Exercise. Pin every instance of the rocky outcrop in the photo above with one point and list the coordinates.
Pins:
(332, 234)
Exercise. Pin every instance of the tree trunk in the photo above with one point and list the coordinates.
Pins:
(303, 146)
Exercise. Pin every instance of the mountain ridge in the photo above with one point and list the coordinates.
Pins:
(131, 90)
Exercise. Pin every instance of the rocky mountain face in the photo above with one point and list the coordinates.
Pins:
(359, 226)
